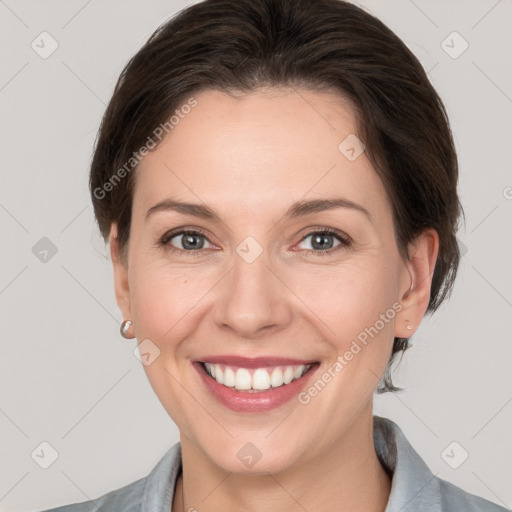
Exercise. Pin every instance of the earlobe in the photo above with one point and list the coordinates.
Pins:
(418, 274)
(120, 267)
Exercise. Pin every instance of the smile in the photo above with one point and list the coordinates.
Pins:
(257, 387)
(255, 379)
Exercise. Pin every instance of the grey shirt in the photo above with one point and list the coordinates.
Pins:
(413, 487)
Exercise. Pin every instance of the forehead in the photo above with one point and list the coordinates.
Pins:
(260, 150)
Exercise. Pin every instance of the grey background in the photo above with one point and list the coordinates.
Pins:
(69, 379)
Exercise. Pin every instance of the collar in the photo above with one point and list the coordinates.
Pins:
(413, 486)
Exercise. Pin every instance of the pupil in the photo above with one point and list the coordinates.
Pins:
(188, 242)
(321, 240)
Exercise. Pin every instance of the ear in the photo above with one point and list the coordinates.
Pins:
(416, 282)
(121, 284)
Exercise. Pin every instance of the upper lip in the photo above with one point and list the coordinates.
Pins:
(254, 362)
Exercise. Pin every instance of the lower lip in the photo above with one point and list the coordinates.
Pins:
(243, 401)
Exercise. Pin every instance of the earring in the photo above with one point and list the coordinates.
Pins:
(124, 329)
(408, 326)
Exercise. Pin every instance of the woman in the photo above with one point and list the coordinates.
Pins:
(277, 182)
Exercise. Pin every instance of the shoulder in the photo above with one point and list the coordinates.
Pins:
(413, 485)
(152, 493)
(455, 498)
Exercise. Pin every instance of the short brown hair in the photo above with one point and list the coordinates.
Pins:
(241, 45)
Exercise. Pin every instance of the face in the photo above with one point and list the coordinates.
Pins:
(263, 276)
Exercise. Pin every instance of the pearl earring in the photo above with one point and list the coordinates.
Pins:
(124, 329)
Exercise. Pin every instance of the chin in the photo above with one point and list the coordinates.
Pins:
(249, 460)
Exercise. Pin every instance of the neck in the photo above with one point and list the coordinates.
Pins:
(349, 473)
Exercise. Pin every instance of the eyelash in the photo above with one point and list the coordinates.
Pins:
(342, 237)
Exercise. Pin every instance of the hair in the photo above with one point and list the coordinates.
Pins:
(244, 45)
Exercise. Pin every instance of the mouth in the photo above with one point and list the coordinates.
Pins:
(254, 388)
(255, 380)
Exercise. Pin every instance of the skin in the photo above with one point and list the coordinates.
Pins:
(249, 158)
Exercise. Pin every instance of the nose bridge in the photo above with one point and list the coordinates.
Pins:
(251, 300)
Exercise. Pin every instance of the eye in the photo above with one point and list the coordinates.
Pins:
(185, 240)
(323, 240)
(190, 241)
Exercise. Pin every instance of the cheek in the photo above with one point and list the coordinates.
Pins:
(356, 306)
(164, 304)
(349, 298)
(162, 298)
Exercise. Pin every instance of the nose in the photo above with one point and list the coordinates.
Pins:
(253, 300)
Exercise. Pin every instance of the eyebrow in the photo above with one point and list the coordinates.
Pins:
(297, 209)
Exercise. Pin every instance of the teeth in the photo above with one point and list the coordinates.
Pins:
(229, 378)
(276, 378)
(242, 378)
(288, 374)
(259, 379)
(219, 376)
